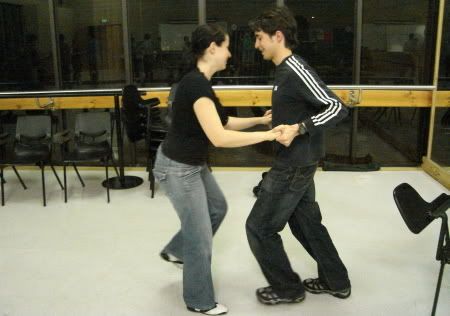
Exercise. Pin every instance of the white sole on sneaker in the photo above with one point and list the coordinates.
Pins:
(218, 310)
(172, 259)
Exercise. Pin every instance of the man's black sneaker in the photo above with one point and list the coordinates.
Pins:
(267, 295)
(171, 258)
(316, 286)
(219, 309)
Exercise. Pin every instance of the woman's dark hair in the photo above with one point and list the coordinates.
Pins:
(203, 36)
(277, 19)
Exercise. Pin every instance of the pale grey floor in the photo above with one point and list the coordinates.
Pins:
(90, 258)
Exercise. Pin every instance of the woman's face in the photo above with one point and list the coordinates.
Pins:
(222, 53)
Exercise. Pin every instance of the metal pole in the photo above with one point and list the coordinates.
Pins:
(119, 137)
(126, 42)
(435, 75)
(357, 77)
(201, 12)
(55, 50)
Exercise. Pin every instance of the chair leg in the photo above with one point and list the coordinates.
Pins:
(19, 177)
(2, 186)
(134, 154)
(78, 174)
(57, 178)
(43, 183)
(3, 180)
(152, 184)
(107, 178)
(115, 166)
(65, 182)
(148, 168)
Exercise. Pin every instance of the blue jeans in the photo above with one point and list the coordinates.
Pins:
(201, 207)
(287, 196)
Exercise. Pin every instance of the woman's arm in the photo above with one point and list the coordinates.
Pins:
(208, 117)
(239, 123)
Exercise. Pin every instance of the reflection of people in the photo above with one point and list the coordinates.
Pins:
(186, 44)
(76, 61)
(64, 52)
(137, 57)
(181, 168)
(92, 55)
(28, 68)
(158, 55)
(147, 50)
(412, 44)
(247, 49)
(306, 106)
(186, 56)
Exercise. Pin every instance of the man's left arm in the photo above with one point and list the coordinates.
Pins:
(331, 109)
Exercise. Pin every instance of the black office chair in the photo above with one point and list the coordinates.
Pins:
(142, 120)
(134, 115)
(4, 163)
(92, 142)
(34, 145)
(157, 129)
(418, 214)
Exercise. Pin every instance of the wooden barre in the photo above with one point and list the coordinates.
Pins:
(241, 98)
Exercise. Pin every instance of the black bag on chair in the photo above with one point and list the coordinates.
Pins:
(258, 187)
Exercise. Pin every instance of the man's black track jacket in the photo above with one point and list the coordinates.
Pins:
(299, 95)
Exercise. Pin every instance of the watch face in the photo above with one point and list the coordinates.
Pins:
(302, 129)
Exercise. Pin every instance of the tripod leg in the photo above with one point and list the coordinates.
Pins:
(438, 287)
(2, 185)
(65, 183)
(43, 183)
(107, 177)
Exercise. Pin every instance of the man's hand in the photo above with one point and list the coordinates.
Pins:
(266, 119)
(288, 133)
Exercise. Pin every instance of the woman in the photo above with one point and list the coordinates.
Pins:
(181, 168)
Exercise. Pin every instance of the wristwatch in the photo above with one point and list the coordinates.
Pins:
(302, 128)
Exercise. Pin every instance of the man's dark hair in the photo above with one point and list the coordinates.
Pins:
(277, 19)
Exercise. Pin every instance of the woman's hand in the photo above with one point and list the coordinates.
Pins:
(266, 119)
(272, 134)
(287, 133)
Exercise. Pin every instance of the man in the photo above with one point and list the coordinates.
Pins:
(303, 106)
(411, 44)
(147, 49)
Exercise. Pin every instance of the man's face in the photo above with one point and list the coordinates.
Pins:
(265, 44)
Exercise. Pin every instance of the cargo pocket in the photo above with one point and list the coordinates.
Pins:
(159, 176)
(302, 178)
(277, 180)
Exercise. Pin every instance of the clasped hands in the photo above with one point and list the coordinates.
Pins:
(284, 134)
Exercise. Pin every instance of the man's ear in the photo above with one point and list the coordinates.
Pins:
(279, 36)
